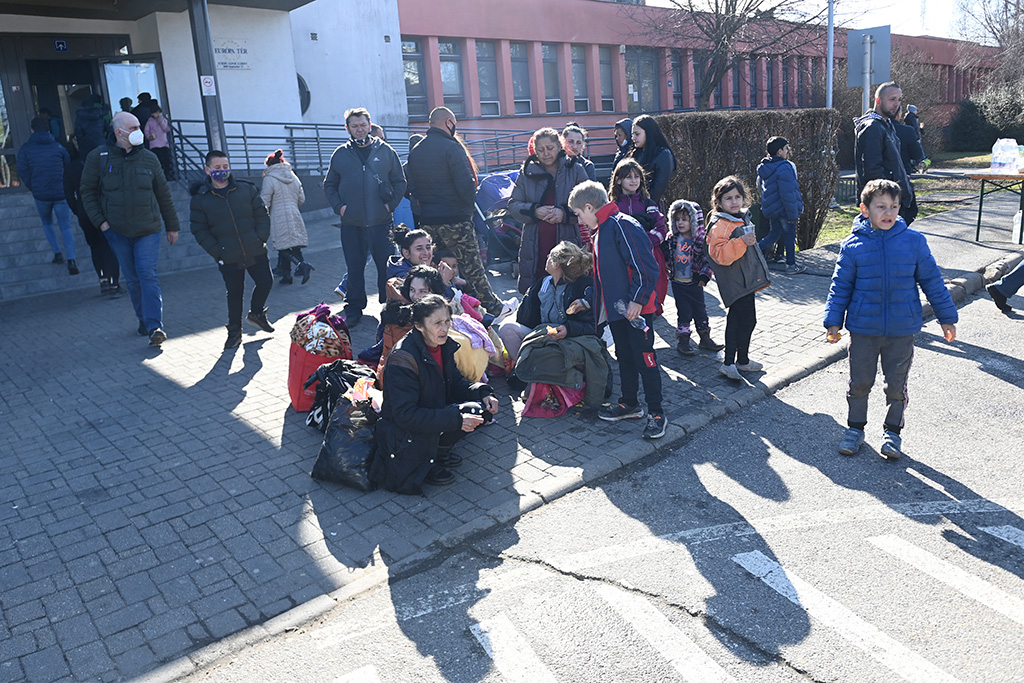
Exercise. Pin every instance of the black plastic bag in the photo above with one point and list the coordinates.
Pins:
(333, 380)
(348, 446)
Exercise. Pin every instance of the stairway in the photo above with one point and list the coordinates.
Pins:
(25, 268)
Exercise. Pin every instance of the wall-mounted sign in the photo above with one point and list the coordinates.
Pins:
(231, 55)
(208, 86)
(60, 44)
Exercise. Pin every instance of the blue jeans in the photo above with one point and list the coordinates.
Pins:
(781, 229)
(138, 257)
(63, 211)
(1011, 282)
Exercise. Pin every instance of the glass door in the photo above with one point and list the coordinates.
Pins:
(125, 77)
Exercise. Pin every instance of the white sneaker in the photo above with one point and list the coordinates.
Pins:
(339, 292)
(507, 308)
(750, 366)
(730, 371)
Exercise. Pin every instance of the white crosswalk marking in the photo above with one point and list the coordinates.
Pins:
(1010, 534)
(901, 660)
(510, 652)
(973, 587)
(683, 654)
(365, 674)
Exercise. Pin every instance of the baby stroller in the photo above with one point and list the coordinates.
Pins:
(503, 234)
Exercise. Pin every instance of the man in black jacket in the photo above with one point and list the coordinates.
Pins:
(877, 148)
(364, 185)
(444, 185)
(231, 223)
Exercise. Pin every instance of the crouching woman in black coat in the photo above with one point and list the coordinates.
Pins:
(428, 405)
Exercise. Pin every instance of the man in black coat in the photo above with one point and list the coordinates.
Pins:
(876, 150)
(443, 181)
(231, 223)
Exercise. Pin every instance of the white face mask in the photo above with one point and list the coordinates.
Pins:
(136, 138)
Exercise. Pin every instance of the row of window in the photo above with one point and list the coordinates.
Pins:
(453, 89)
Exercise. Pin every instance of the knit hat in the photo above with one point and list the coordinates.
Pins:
(775, 144)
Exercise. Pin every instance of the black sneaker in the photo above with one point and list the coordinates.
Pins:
(260, 320)
(620, 411)
(999, 299)
(449, 460)
(353, 318)
(234, 339)
(656, 427)
(157, 337)
(143, 330)
(58, 258)
(439, 476)
(72, 267)
(286, 279)
(115, 292)
(105, 285)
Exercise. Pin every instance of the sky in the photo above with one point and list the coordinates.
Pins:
(936, 18)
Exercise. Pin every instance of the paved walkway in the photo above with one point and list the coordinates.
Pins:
(156, 507)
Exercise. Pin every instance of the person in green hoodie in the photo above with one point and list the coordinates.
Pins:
(231, 223)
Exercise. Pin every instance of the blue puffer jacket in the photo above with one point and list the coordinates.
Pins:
(780, 190)
(41, 165)
(875, 282)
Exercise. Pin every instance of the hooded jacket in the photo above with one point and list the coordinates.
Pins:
(230, 223)
(128, 190)
(624, 265)
(91, 125)
(877, 154)
(739, 269)
(371, 192)
(531, 186)
(874, 286)
(780, 190)
(42, 162)
(442, 179)
(911, 151)
(420, 403)
(626, 147)
(282, 194)
(701, 263)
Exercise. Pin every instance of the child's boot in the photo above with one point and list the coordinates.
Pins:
(707, 343)
(683, 347)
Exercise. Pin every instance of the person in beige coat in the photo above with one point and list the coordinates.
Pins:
(283, 195)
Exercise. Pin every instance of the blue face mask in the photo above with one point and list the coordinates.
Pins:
(220, 175)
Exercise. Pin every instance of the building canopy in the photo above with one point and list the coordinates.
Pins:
(129, 10)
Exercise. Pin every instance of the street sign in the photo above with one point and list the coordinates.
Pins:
(881, 49)
(208, 86)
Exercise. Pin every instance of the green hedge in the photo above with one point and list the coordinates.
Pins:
(713, 144)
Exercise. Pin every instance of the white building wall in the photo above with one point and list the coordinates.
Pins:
(355, 61)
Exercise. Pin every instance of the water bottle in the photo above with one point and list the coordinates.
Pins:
(638, 322)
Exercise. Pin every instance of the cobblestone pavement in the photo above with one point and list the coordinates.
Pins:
(157, 501)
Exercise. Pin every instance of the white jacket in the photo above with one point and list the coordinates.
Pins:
(282, 193)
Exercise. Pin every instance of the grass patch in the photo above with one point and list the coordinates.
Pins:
(839, 221)
(961, 159)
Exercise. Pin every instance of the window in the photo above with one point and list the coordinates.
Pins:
(736, 78)
(753, 81)
(451, 75)
(677, 79)
(579, 78)
(549, 60)
(801, 85)
(487, 75)
(769, 93)
(699, 60)
(415, 83)
(607, 99)
(520, 78)
(785, 82)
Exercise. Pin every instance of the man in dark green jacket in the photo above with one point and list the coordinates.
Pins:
(231, 223)
(125, 193)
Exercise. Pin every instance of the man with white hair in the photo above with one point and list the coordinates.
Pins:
(125, 193)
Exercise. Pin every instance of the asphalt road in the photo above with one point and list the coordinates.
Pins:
(753, 553)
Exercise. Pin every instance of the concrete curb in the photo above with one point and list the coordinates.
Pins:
(679, 429)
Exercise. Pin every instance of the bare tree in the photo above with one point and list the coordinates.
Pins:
(995, 24)
(725, 33)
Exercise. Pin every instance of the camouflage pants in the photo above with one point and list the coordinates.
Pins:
(461, 239)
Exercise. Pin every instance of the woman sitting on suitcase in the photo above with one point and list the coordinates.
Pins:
(428, 405)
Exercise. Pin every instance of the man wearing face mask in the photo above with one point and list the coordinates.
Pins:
(230, 222)
(364, 184)
(125, 193)
(444, 180)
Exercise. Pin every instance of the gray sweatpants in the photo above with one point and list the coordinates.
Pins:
(897, 354)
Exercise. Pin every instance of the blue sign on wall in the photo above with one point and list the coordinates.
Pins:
(60, 44)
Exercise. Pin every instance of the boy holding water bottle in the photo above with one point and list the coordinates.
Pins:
(626, 272)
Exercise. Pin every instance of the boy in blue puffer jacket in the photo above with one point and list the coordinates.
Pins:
(874, 287)
(781, 201)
